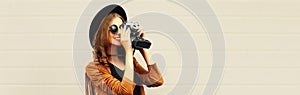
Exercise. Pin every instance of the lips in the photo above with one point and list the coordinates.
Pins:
(117, 38)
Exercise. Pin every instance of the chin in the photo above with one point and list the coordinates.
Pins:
(116, 44)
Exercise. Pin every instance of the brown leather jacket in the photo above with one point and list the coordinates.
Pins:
(99, 80)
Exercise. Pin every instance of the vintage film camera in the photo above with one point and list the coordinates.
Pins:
(135, 36)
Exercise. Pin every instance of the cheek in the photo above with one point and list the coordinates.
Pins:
(110, 37)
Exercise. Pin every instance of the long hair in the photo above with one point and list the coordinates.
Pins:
(101, 39)
(100, 43)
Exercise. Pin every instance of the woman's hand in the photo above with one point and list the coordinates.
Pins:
(125, 39)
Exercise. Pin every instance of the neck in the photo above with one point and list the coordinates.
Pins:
(114, 50)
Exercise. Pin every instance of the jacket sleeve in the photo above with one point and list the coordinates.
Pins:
(103, 80)
(152, 77)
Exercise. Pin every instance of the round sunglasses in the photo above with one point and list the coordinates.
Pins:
(114, 29)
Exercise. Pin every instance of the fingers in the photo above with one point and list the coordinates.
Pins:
(128, 33)
(141, 30)
(125, 38)
(125, 34)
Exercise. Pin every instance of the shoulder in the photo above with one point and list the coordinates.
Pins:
(95, 67)
(92, 65)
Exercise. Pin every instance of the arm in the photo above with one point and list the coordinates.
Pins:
(126, 43)
(146, 56)
(152, 77)
(129, 72)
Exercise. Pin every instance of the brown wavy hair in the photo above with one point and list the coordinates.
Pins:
(101, 39)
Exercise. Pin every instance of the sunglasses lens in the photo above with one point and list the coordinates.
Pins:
(113, 29)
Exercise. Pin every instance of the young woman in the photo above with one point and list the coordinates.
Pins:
(114, 70)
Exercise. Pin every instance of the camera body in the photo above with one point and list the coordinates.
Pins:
(135, 36)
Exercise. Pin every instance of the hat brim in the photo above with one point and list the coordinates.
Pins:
(113, 8)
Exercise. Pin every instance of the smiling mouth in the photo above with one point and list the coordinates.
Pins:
(117, 38)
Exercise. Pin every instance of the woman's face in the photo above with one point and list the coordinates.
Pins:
(114, 39)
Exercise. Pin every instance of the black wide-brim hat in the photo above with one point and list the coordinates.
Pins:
(113, 8)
